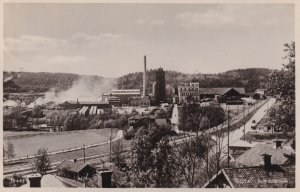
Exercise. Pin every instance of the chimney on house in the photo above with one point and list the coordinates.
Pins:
(75, 160)
(144, 77)
(267, 161)
(35, 180)
(278, 144)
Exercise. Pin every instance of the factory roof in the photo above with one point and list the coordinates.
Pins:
(88, 102)
(220, 91)
(125, 90)
(115, 92)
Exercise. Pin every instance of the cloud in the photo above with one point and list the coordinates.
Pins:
(78, 53)
(234, 15)
(209, 18)
(155, 22)
(63, 59)
(32, 43)
(103, 39)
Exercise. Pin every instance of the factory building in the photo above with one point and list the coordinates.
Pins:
(129, 96)
(153, 89)
(160, 86)
(123, 94)
(115, 101)
(222, 95)
(188, 91)
(79, 104)
(140, 101)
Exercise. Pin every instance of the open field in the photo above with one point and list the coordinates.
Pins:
(59, 141)
(19, 134)
(99, 150)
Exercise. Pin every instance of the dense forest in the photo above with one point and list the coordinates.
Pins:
(38, 82)
(250, 79)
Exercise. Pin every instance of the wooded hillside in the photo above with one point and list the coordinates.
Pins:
(250, 79)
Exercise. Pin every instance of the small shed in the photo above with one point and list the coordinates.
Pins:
(75, 170)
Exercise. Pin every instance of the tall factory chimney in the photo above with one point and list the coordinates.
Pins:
(144, 77)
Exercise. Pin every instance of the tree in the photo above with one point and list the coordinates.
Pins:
(141, 161)
(164, 169)
(281, 85)
(162, 114)
(196, 118)
(152, 163)
(190, 161)
(117, 156)
(37, 112)
(42, 162)
(10, 152)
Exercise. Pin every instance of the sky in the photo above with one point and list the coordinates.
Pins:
(111, 40)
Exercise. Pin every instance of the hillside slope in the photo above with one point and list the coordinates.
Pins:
(42, 81)
(250, 79)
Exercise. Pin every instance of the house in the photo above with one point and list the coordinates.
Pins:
(139, 121)
(222, 95)
(48, 180)
(75, 170)
(260, 91)
(161, 122)
(267, 175)
(275, 176)
(252, 157)
(239, 147)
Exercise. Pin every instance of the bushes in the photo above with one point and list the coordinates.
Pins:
(129, 133)
(16, 180)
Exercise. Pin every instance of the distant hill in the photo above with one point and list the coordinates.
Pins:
(250, 79)
(41, 81)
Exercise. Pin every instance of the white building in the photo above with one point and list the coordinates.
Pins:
(188, 90)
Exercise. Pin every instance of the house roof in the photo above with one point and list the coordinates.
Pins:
(220, 91)
(279, 176)
(72, 166)
(243, 144)
(259, 177)
(161, 121)
(253, 156)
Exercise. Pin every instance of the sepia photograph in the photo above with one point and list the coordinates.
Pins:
(148, 95)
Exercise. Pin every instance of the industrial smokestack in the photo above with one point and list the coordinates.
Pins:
(144, 77)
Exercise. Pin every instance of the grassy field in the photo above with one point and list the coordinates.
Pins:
(58, 141)
(69, 155)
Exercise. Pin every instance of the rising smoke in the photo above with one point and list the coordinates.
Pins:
(87, 88)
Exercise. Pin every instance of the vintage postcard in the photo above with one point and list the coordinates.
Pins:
(149, 95)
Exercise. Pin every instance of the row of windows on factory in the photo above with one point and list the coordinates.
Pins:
(189, 93)
(188, 89)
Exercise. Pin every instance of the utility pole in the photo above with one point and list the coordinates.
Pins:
(110, 144)
(83, 153)
(228, 128)
(244, 119)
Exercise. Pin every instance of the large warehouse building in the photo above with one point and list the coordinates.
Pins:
(123, 94)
